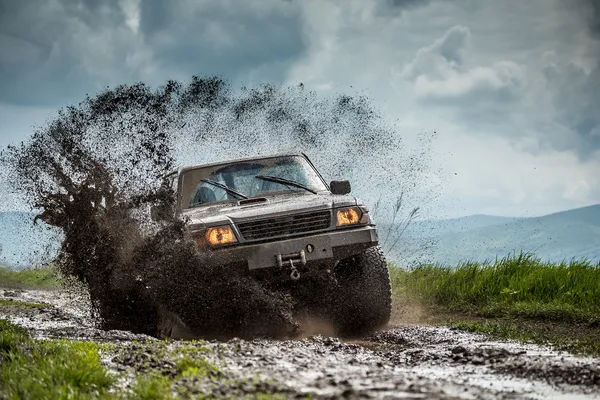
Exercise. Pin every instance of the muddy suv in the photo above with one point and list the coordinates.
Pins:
(276, 217)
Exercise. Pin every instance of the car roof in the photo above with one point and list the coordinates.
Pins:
(235, 160)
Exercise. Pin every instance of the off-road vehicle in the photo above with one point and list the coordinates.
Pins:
(277, 217)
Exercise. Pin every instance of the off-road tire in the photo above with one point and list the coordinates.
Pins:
(127, 311)
(364, 298)
(170, 326)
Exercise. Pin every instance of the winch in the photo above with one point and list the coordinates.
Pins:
(290, 259)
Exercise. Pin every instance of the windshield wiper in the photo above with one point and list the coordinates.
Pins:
(284, 181)
(224, 187)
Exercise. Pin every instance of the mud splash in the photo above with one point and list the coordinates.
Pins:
(95, 172)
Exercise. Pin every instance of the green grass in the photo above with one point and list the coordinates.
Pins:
(517, 286)
(29, 278)
(13, 303)
(152, 387)
(188, 366)
(65, 369)
(516, 297)
(49, 369)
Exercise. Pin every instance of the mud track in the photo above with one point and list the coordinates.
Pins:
(404, 361)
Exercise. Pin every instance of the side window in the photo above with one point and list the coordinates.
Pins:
(207, 193)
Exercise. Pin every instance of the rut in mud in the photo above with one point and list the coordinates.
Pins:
(95, 171)
(403, 361)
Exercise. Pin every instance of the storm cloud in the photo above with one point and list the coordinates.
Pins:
(591, 8)
(52, 52)
(521, 76)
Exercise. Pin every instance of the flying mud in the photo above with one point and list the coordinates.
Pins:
(94, 173)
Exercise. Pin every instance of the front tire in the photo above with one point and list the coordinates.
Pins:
(364, 298)
(170, 326)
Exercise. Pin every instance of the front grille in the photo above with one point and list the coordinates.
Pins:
(285, 225)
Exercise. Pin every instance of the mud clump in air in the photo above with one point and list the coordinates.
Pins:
(96, 171)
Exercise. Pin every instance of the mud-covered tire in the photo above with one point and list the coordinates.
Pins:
(170, 326)
(364, 293)
(124, 310)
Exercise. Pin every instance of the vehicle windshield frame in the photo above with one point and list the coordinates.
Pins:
(184, 202)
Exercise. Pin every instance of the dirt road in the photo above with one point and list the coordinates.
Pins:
(405, 361)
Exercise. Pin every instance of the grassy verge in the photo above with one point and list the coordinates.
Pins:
(516, 297)
(32, 369)
(13, 303)
(29, 278)
(152, 370)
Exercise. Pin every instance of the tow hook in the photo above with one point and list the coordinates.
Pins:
(289, 259)
(294, 275)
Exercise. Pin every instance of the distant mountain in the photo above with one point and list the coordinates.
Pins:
(555, 237)
(433, 228)
(21, 242)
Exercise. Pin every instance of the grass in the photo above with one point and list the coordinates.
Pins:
(13, 303)
(520, 286)
(152, 387)
(65, 369)
(517, 297)
(29, 278)
(188, 366)
(48, 369)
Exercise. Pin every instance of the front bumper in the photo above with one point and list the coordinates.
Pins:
(323, 249)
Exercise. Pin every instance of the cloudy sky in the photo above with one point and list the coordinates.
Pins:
(511, 87)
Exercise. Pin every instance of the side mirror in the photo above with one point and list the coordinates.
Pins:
(340, 187)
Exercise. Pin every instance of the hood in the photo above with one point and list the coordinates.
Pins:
(273, 205)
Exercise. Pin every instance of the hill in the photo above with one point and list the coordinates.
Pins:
(554, 237)
(434, 228)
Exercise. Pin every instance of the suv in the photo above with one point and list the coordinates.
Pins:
(276, 217)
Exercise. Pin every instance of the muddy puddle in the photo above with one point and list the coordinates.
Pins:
(405, 361)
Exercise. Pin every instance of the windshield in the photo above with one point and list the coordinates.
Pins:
(249, 179)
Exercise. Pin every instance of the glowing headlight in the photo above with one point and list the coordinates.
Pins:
(219, 235)
(348, 216)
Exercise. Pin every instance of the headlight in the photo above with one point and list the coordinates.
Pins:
(348, 216)
(219, 235)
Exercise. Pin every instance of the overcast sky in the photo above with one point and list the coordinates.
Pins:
(511, 87)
